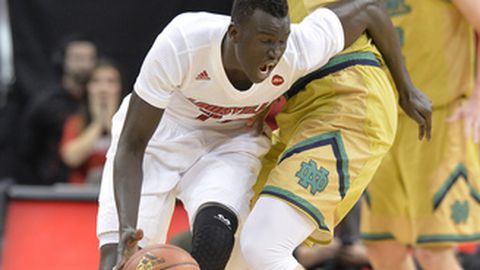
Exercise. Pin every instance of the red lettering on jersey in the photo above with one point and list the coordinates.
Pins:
(202, 117)
(218, 112)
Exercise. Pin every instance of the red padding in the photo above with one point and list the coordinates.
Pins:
(51, 235)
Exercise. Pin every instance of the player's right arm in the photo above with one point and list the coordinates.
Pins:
(140, 123)
(161, 74)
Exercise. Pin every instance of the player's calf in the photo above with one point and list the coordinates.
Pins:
(108, 256)
(214, 228)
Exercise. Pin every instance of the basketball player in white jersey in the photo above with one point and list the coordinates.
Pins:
(181, 133)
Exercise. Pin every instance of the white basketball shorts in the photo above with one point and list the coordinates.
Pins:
(194, 165)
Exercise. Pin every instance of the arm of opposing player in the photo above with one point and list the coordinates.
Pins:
(413, 101)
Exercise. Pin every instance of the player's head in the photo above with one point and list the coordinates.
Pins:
(259, 31)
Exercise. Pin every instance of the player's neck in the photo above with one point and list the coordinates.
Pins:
(232, 68)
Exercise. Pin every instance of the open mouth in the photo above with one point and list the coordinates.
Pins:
(267, 68)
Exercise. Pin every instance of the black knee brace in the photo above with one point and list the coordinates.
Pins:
(213, 238)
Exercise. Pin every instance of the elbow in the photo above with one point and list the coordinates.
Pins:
(128, 153)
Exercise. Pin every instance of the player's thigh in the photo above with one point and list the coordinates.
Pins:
(271, 233)
(225, 178)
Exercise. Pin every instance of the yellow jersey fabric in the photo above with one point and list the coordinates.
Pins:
(299, 9)
(335, 128)
(438, 45)
(427, 193)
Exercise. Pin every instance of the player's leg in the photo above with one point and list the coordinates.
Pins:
(213, 235)
(108, 256)
(389, 255)
(216, 192)
(437, 258)
(271, 233)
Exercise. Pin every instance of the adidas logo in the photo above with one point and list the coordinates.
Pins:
(202, 76)
(224, 220)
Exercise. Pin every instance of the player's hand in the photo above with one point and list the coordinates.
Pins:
(418, 107)
(127, 246)
(470, 113)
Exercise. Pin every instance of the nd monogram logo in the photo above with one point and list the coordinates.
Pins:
(397, 7)
(311, 176)
(460, 211)
(148, 262)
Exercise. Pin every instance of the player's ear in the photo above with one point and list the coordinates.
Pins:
(233, 32)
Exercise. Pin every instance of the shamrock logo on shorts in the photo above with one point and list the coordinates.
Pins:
(460, 211)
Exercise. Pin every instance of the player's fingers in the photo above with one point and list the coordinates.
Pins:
(476, 130)
(455, 116)
(421, 132)
(468, 123)
(421, 123)
(428, 125)
(135, 237)
(417, 117)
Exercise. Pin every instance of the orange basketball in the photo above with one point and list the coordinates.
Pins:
(160, 257)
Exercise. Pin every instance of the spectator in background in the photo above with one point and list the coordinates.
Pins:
(43, 121)
(86, 134)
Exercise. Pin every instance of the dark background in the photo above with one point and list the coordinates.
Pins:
(124, 30)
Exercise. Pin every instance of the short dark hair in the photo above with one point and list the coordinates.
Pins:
(243, 9)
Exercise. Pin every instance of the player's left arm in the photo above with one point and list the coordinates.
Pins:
(470, 110)
(372, 16)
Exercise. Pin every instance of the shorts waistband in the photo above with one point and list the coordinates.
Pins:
(335, 64)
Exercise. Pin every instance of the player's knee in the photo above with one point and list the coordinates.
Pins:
(213, 237)
(260, 254)
(253, 250)
(108, 256)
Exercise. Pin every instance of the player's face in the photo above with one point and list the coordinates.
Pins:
(260, 43)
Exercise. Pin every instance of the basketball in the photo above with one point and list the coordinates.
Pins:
(159, 257)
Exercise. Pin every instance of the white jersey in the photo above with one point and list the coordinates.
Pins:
(183, 71)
